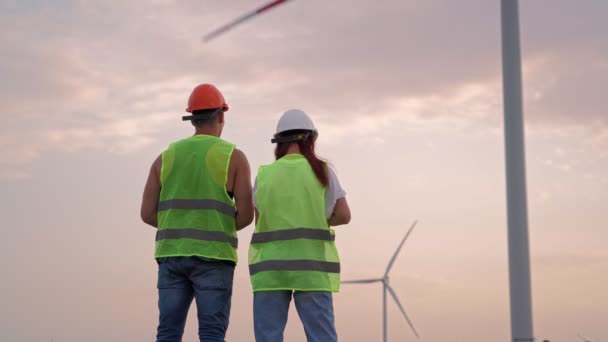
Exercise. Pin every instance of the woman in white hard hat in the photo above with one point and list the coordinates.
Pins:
(292, 252)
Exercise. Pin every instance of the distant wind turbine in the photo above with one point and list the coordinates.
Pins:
(386, 287)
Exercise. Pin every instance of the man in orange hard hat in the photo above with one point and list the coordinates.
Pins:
(198, 195)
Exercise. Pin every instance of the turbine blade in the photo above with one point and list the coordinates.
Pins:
(392, 261)
(394, 295)
(361, 281)
(219, 31)
(227, 27)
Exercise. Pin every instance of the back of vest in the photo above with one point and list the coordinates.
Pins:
(292, 247)
(196, 217)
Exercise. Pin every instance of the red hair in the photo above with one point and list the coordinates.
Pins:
(307, 148)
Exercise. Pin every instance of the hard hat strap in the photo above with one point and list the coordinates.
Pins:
(202, 115)
(290, 138)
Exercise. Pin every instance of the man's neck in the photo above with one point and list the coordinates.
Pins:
(206, 131)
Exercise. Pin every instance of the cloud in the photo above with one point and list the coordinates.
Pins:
(567, 89)
(88, 74)
(469, 104)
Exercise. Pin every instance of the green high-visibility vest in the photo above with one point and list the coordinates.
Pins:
(196, 217)
(292, 247)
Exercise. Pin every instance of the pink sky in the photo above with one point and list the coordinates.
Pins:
(407, 99)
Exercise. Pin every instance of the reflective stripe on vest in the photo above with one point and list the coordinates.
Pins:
(196, 217)
(292, 234)
(196, 234)
(284, 255)
(197, 204)
(295, 265)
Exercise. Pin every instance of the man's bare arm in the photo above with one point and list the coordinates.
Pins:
(149, 203)
(242, 190)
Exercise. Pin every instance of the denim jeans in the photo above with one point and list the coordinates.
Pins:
(209, 282)
(270, 309)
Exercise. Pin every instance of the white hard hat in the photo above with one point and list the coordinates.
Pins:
(295, 120)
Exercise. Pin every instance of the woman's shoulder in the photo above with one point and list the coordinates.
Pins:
(331, 170)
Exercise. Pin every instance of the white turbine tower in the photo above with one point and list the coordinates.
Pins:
(386, 287)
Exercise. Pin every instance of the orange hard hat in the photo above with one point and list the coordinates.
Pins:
(206, 96)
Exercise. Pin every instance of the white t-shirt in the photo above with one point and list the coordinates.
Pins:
(333, 192)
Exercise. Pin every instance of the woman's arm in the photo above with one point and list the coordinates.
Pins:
(341, 214)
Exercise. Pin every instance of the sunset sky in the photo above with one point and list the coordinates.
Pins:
(408, 102)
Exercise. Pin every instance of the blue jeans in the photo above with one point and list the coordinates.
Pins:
(209, 282)
(316, 311)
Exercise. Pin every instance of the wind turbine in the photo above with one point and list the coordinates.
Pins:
(520, 289)
(386, 287)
